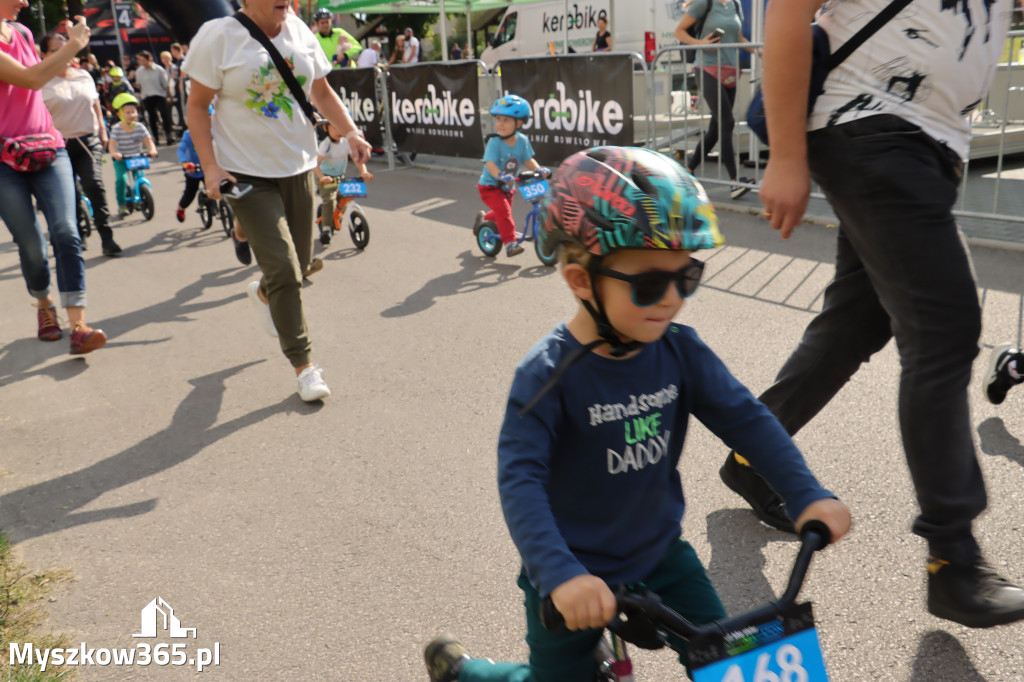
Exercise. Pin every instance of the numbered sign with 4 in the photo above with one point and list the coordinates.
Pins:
(785, 649)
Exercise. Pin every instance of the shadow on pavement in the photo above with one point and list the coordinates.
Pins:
(940, 656)
(17, 358)
(477, 272)
(995, 440)
(737, 563)
(50, 506)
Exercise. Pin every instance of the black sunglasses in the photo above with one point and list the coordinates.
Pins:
(647, 288)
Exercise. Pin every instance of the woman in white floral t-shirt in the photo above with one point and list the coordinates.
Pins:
(259, 136)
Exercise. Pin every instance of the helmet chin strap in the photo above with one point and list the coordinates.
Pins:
(508, 137)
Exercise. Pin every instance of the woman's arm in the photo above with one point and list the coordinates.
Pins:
(97, 111)
(326, 100)
(197, 112)
(36, 76)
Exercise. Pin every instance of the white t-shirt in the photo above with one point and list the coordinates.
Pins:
(335, 155)
(259, 129)
(70, 102)
(368, 57)
(930, 65)
(411, 53)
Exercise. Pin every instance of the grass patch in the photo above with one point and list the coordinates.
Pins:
(21, 614)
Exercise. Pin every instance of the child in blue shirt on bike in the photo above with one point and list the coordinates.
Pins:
(193, 174)
(128, 137)
(505, 154)
(597, 415)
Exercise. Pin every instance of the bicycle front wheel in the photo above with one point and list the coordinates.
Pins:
(146, 201)
(358, 228)
(227, 217)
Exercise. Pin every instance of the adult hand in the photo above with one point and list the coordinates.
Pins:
(585, 602)
(366, 176)
(360, 148)
(116, 156)
(78, 33)
(711, 39)
(214, 176)
(829, 511)
(785, 190)
(326, 179)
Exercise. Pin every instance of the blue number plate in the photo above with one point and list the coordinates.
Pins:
(352, 188)
(533, 190)
(136, 163)
(786, 648)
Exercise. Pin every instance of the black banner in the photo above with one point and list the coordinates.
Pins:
(577, 102)
(434, 109)
(357, 88)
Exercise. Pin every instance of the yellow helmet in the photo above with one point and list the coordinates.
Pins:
(122, 99)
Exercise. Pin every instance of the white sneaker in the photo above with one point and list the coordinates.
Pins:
(311, 384)
(262, 309)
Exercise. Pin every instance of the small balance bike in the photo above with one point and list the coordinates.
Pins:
(533, 186)
(140, 193)
(344, 202)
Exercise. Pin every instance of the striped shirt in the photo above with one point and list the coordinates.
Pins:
(129, 143)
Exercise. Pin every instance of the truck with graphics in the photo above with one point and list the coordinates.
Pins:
(540, 28)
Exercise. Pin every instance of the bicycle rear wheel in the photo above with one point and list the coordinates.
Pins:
(488, 239)
(84, 219)
(205, 211)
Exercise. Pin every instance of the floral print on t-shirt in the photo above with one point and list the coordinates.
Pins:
(269, 94)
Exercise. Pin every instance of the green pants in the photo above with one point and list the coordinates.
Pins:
(566, 656)
(327, 193)
(277, 218)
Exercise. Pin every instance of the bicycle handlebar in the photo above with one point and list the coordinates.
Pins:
(643, 604)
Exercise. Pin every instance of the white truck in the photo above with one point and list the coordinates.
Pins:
(540, 28)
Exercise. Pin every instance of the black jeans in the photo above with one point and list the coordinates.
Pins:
(720, 100)
(153, 106)
(86, 154)
(903, 270)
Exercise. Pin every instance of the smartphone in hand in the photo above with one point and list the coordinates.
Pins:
(720, 32)
(234, 190)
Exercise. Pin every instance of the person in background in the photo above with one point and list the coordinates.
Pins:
(74, 104)
(339, 47)
(173, 76)
(154, 89)
(273, 153)
(398, 51)
(411, 48)
(118, 84)
(456, 52)
(719, 72)
(22, 112)
(603, 39)
(371, 55)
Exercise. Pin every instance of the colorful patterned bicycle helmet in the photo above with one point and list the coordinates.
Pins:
(512, 106)
(609, 198)
(122, 99)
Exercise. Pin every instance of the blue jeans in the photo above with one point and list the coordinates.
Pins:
(54, 190)
(903, 271)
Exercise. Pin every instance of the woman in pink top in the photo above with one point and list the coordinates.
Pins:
(22, 112)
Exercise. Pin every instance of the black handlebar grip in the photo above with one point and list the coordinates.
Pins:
(550, 617)
(819, 528)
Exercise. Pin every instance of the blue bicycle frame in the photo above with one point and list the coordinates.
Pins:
(135, 164)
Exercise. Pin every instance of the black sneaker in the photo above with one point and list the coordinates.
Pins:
(998, 380)
(242, 251)
(110, 248)
(444, 657)
(737, 191)
(762, 498)
(973, 595)
(477, 222)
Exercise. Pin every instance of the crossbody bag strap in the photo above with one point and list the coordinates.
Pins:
(869, 29)
(280, 63)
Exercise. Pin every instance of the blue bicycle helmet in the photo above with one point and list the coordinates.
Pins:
(512, 106)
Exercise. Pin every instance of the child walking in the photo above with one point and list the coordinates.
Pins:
(598, 411)
(128, 137)
(193, 174)
(505, 153)
(331, 164)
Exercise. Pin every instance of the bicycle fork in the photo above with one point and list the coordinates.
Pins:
(614, 663)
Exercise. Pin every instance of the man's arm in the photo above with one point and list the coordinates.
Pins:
(787, 75)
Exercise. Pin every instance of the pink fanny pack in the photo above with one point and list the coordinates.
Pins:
(30, 152)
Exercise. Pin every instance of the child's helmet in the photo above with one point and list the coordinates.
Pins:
(609, 198)
(512, 106)
(122, 99)
(117, 72)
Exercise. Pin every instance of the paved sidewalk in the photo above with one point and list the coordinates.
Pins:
(330, 542)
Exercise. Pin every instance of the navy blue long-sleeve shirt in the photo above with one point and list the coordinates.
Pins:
(588, 478)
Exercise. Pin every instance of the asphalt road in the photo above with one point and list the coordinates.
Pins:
(330, 542)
